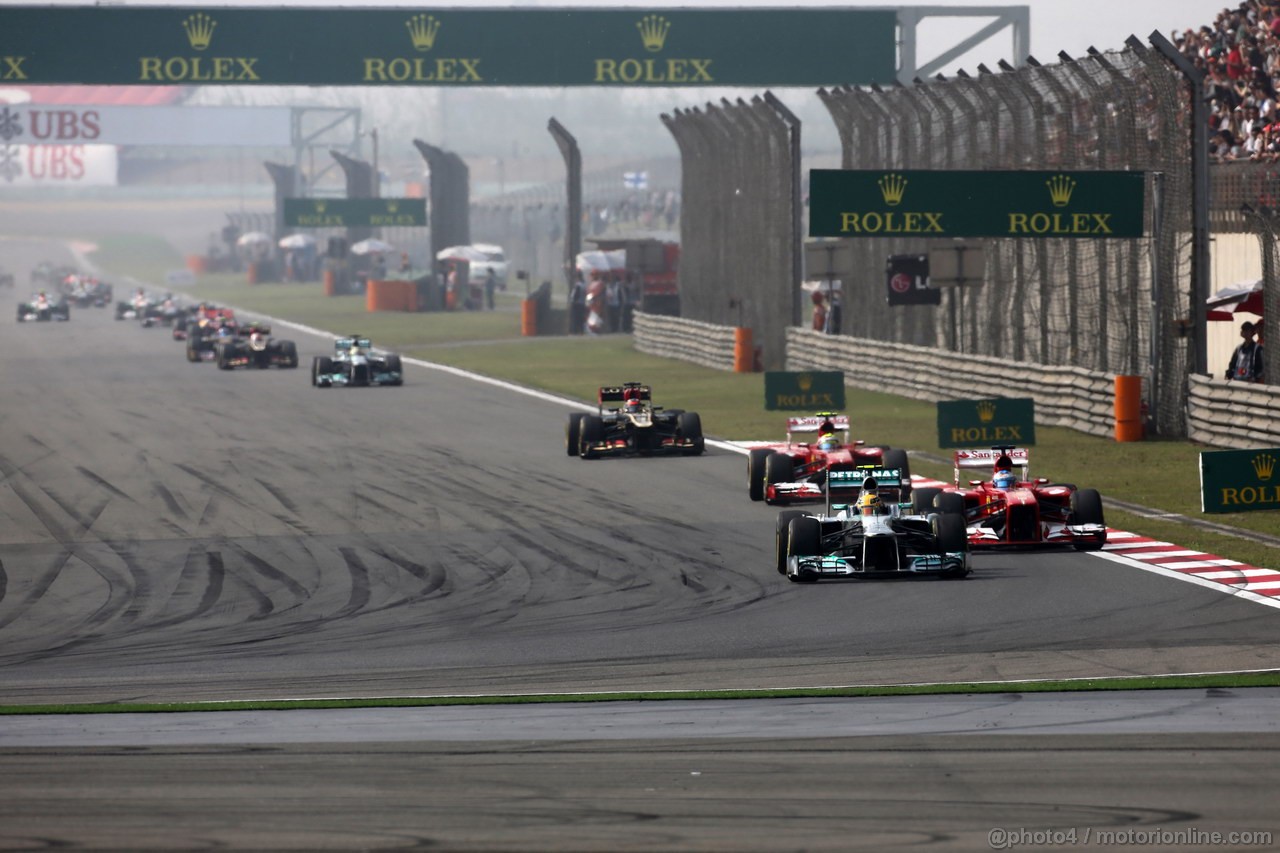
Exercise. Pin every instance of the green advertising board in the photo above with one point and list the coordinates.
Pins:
(994, 422)
(218, 45)
(354, 212)
(940, 204)
(809, 390)
(1239, 480)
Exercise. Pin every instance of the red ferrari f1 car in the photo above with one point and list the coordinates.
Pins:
(1011, 509)
(797, 470)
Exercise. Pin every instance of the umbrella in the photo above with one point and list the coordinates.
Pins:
(1244, 296)
(297, 241)
(253, 238)
(371, 246)
(460, 253)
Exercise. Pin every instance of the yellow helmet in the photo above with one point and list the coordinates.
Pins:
(870, 504)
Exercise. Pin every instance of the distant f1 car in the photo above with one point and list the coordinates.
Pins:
(200, 315)
(204, 336)
(356, 362)
(42, 309)
(795, 472)
(253, 346)
(874, 533)
(633, 426)
(1011, 509)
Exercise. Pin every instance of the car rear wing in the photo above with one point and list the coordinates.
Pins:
(1017, 457)
(815, 423)
(618, 393)
(885, 482)
(347, 343)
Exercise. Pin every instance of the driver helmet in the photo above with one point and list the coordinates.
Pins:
(828, 441)
(870, 504)
(1004, 480)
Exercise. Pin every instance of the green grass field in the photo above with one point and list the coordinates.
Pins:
(1161, 475)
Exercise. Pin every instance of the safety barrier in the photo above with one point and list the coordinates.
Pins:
(688, 340)
(1071, 397)
(1238, 415)
(1219, 413)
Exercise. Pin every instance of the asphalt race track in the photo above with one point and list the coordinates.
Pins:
(169, 531)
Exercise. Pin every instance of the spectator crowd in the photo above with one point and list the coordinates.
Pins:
(1240, 55)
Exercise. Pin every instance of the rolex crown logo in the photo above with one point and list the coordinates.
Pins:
(393, 206)
(320, 205)
(422, 30)
(199, 29)
(805, 381)
(1264, 465)
(892, 188)
(986, 411)
(653, 32)
(1060, 189)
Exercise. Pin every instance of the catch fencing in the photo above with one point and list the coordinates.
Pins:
(1087, 303)
(740, 230)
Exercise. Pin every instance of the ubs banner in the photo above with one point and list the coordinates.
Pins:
(809, 391)
(987, 423)
(58, 165)
(64, 124)
(1239, 480)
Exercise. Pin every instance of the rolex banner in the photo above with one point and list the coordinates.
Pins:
(941, 204)
(987, 423)
(1239, 480)
(354, 212)
(808, 391)
(115, 44)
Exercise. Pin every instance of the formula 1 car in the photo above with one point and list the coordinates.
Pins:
(42, 309)
(1014, 510)
(794, 472)
(253, 346)
(356, 362)
(86, 291)
(634, 426)
(876, 534)
(197, 315)
(203, 337)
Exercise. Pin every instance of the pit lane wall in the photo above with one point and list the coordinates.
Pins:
(1235, 415)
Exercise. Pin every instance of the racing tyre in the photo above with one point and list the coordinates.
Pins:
(951, 532)
(782, 535)
(896, 458)
(755, 471)
(779, 468)
(321, 365)
(393, 364)
(193, 354)
(804, 539)
(691, 429)
(1086, 508)
(288, 354)
(949, 502)
(590, 432)
(223, 357)
(951, 535)
(572, 433)
(922, 500)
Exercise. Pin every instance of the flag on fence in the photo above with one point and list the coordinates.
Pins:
(635, 180)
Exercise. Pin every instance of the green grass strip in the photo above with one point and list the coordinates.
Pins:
(1197, 681)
